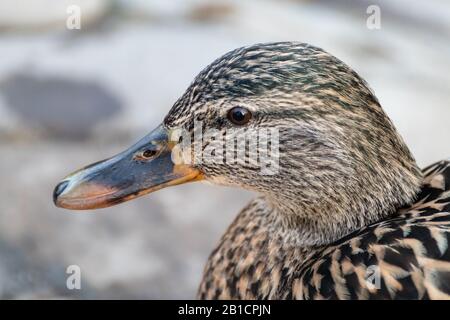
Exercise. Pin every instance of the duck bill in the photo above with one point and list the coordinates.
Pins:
(125, 176)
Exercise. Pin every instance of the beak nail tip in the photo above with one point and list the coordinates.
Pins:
(59, 189)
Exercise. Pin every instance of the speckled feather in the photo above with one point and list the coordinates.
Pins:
(410, 249)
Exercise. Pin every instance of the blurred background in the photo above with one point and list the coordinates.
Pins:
(69, 97)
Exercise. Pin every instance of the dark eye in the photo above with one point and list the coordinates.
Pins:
(239, 115)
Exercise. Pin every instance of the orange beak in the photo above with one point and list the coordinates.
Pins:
(125, 176)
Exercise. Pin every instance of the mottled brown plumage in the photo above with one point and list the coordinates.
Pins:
(408, 250)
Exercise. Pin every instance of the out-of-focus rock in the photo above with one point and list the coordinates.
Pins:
(211, 11)
(162, 10)
(61, 107)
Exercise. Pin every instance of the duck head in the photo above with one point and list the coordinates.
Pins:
(287, 120)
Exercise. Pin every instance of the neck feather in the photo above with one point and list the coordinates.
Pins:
(326, 217)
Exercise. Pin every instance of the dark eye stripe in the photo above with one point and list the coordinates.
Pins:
(239, 115)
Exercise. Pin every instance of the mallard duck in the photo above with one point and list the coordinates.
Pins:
(347, 214)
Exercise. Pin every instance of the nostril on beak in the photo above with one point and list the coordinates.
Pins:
(59, 189)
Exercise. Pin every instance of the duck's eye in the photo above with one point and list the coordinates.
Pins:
(239, 115)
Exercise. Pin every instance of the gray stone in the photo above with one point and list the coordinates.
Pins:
(65, 108)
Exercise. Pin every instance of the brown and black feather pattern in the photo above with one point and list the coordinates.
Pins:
(409, 251)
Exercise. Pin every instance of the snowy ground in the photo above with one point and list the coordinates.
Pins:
(68, 98)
